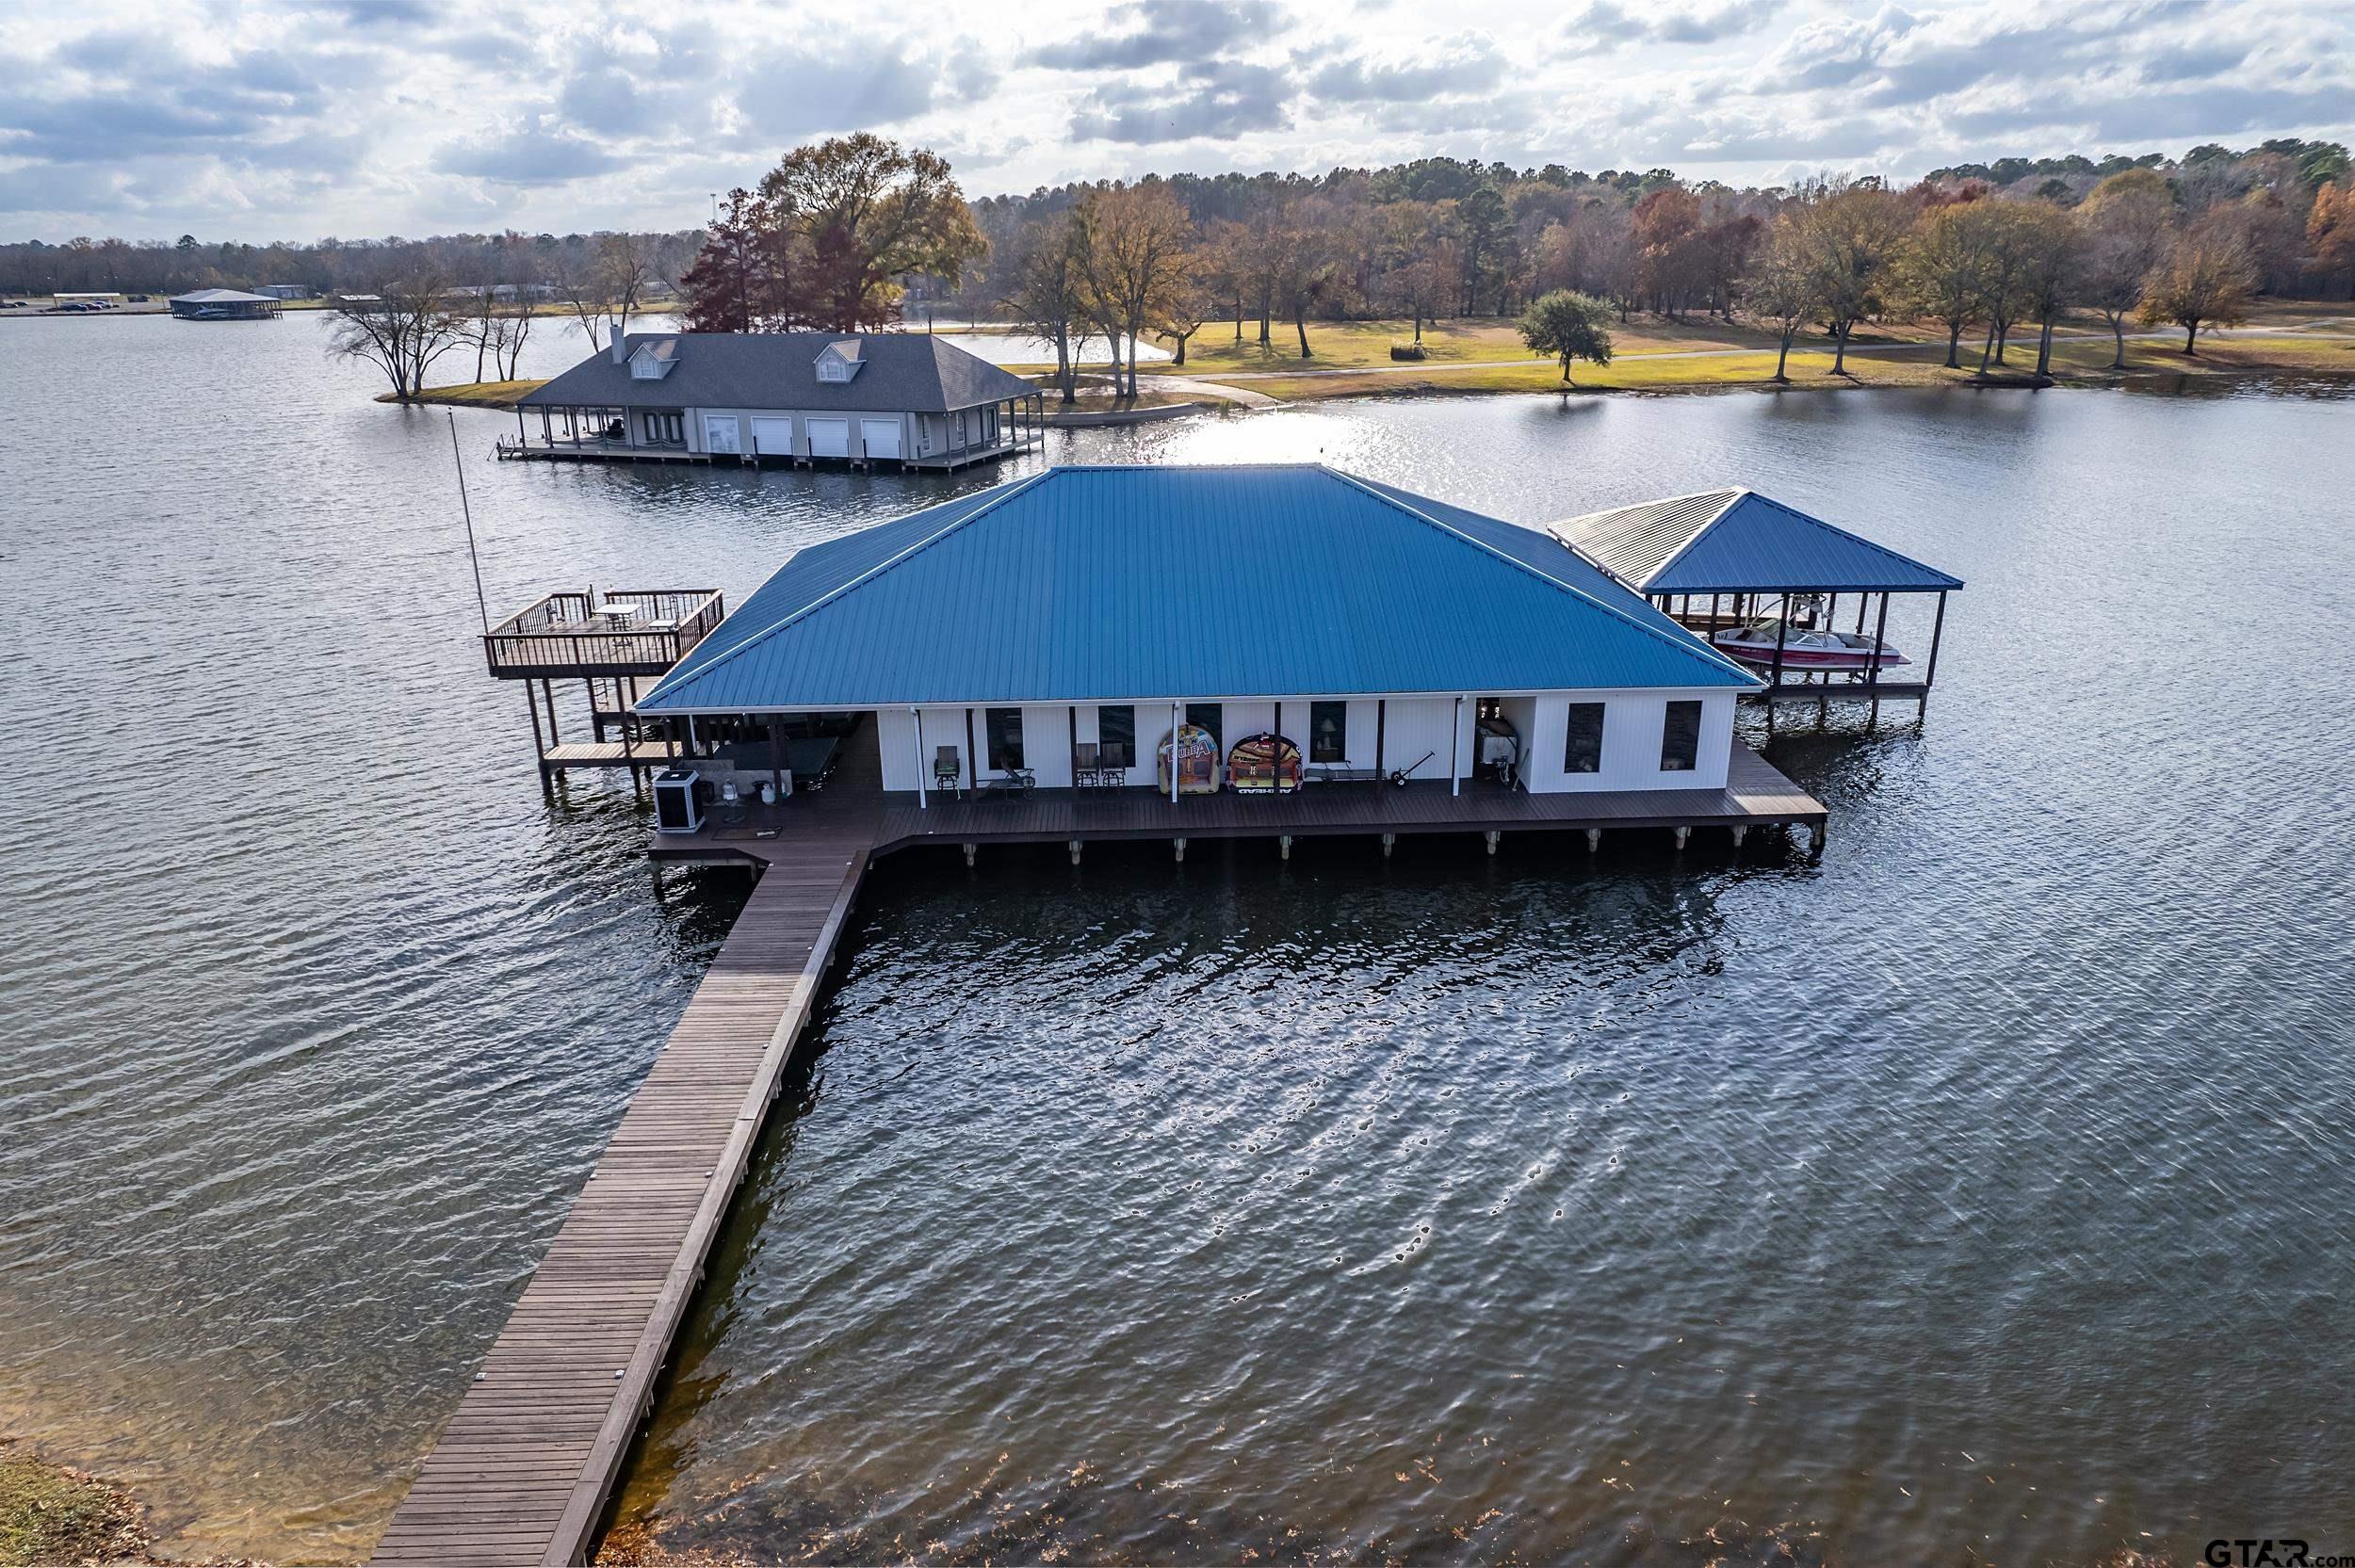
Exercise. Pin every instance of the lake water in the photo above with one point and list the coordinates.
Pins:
(1982, 1191)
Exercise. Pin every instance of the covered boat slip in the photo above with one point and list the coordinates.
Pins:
(1769, 585)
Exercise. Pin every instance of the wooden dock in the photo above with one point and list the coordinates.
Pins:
(523, 1470)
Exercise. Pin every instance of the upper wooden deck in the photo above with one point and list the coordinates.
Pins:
(626, 632)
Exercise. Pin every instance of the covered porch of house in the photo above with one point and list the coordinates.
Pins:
(600, 432)
(983, 433)
(842, 774)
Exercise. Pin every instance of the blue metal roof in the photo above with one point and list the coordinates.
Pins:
(1739, 541)
(1102, 584)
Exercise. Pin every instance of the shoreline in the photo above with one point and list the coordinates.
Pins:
(1347, 386)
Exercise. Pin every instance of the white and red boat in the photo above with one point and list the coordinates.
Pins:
(1807, 650)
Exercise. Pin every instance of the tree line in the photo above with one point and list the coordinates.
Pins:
(854, 233)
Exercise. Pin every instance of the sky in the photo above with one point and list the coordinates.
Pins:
(295, 121)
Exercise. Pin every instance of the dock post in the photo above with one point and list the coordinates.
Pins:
(1492, 835)
(971, 851)
(1741, 831)
(1284, 846)
(1181, 849)
(1389, 842)
(1683, 833)
(1594, 839)
(1075, 851)
(1815, 838)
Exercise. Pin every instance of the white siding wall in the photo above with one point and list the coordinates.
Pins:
(1413, 725)
(1631, 725)
(1416, 726)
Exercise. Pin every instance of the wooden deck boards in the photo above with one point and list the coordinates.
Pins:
(522, 1472)
(1755, 795)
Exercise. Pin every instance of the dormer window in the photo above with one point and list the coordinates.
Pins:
(651, 362)
(839, 362)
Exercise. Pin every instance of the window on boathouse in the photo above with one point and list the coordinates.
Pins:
(1210, 717)
(1329, 732)
(1681, 739)
(1005, 738)
(1117, 736)
(1582, 752)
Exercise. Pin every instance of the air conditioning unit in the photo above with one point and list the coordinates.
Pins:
(677, 810)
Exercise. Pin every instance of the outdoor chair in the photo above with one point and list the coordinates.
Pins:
(947, 773)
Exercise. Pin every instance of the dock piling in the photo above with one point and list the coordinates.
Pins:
(971, 851)
(1181, 849)
(1389, 842)
(1492, 835)
(1682, 835)
(1075, 851)
(1284, 846)
(1594, 839)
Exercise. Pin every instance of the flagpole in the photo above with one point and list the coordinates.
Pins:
(466, 510)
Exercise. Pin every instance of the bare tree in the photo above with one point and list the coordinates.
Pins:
(1854, 233)
(1782, 287)
(2054, 244)
(1134, 250)
(2126, 223)
(2207, 278)
(628, 264)
(1047, 290)
(403, 329)
(581, 283)
(1943, 268)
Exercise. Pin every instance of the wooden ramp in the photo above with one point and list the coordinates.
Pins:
(522, 1472)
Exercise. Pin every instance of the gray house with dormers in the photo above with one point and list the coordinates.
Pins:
(907, 398)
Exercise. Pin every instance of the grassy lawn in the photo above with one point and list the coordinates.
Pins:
(2075, 360)
(474, 394)
(1213, 352)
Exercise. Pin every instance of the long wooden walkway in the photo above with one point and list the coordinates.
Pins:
(522, 1472)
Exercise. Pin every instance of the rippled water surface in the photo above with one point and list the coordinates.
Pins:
(1982, 1190)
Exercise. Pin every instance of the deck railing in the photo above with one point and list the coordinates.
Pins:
(627, 631)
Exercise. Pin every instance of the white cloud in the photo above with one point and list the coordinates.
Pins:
(290, 119)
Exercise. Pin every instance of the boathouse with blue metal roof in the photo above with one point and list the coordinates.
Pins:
(1774, 577)
(1083, 627)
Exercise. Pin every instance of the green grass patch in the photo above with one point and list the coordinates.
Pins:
(473, 395)
(49, 1513)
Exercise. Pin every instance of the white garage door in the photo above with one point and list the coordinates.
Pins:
(723, 434)
(829, 438)
(881, 437)
(773, 438)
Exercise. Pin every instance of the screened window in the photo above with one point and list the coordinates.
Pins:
(1329, 732)
(1210, 717)
(1582, 752)
(1117, 736)
(1681, 739)
(1005, 738)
